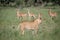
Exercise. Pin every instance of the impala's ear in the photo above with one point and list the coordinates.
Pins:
(40, 15)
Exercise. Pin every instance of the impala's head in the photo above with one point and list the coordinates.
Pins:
(39, 19)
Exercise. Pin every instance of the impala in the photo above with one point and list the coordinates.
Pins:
(20, 14)
(31, 14)
(52, 14)
(33, 25)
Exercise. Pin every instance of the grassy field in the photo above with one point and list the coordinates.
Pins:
(48, 30)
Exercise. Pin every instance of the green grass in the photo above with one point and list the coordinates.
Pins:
(48, 30)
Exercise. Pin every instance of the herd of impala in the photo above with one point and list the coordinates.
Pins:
(32, 25)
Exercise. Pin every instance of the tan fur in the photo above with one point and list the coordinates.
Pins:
(52, 14)
(31, 14)
(30, 25)
(20, 14)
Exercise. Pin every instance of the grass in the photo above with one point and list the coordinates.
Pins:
(48, 30)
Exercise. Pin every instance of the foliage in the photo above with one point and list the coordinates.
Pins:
(27, 2)
(48, 30)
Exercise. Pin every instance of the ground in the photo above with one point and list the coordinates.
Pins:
(48, 30)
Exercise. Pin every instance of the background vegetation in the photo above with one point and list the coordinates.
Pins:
(28, 3)
(49, 29)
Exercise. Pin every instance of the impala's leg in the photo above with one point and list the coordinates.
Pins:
(33, 32)
(21, 18)
(34, 16)
(36, 30)
(18, 17)
(52, 17)
(22, 30)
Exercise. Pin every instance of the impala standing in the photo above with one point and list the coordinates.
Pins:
(30, 25)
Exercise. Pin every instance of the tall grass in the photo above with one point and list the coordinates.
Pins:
(48, 30)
